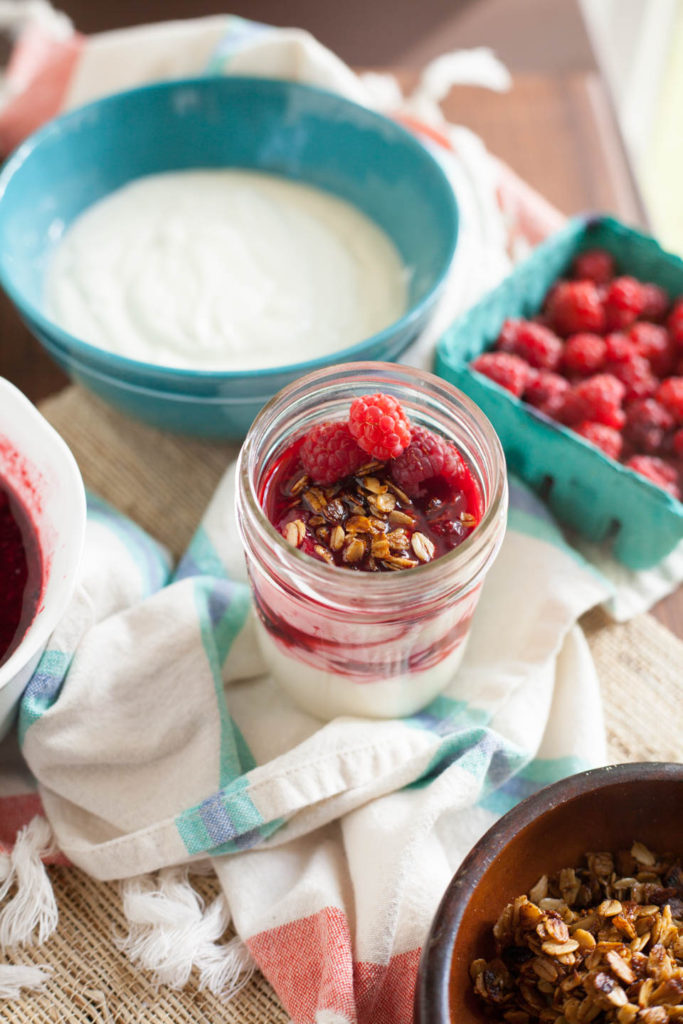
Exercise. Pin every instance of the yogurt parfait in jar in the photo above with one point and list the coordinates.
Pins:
(371, 501)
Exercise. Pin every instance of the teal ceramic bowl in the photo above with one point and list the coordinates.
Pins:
(285, 128)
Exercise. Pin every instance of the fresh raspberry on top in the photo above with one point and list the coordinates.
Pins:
(654, 344)
(379, 425)
(607, 439)
(601, 397)
(677, 443)
(624, 303)
(657, 471)
(594, 265)
(575, 306)
(657, 303)
(670, 394)
(584, 353)
(637, 377)
(329, 453)
(545, 391)
(427, 456)
(537, 344)
(647, 422)
(508, 370)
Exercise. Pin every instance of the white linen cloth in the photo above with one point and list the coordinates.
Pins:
(157, 739)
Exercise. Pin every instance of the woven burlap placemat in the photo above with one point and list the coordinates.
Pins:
(164, 483)
(93, 983)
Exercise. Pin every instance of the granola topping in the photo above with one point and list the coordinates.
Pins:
(365, 522)
(602, 942)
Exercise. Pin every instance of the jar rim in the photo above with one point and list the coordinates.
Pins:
(385, 586)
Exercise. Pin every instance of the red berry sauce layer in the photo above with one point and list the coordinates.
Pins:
(604, 358)
(356, 508)
(20, 572)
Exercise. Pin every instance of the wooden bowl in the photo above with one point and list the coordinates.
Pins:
(604, 809)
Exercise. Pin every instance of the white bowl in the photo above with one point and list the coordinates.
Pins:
(41, 470)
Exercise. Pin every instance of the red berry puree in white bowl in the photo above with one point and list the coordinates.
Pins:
(21, 571)
(42, 529)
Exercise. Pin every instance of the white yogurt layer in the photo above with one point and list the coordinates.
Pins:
(328, 694)
(224, 270)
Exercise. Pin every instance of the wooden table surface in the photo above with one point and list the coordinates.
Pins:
(557, 131)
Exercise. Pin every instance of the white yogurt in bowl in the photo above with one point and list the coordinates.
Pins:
(224, 270)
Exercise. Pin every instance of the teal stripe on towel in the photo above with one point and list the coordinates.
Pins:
(222, 608)
(534, 776)
(43, 689)
(482, 752)
(200, 559)
(151, 558)
(240, 32)
(226, 822)
(444, 715)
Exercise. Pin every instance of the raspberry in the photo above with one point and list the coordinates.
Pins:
(619, 347)
(624, 302)
(675, 323)
(677, 443)
(427, 456)
(329, 453)
(601, 397)
(379, 425)
(615, 418)
(572, 408)
(511, 372)
(575, 306)
(656, 303)
(646, 424)
(636, 375)
(594, 265)
(670, 394)
(657, 471)
(532, 342)
(546, 391)
(607, 439)
(584, 353)
(509, 334)
(654, 344)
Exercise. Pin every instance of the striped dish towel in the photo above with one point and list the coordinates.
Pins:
(157, 741)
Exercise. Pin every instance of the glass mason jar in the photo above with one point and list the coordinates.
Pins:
(359, 643)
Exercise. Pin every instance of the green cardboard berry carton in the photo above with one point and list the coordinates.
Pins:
(600, 498)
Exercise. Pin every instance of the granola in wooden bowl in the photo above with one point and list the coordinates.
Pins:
(600, 941)
(568, 911)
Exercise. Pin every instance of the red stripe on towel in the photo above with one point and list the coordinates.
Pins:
(309, 964)
(385, 994)
(38, 74)
(15, 813)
